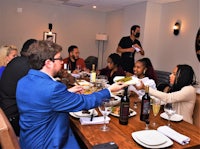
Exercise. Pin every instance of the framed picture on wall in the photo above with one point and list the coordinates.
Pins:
(49, 36)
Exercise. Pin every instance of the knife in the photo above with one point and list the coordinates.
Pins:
(92, 115)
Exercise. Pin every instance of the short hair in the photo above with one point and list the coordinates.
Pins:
(71, 48)
(116, 59)
(40, 51)
(133, 28)
(26, 46)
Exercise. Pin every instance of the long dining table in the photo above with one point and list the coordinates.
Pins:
(91, 135)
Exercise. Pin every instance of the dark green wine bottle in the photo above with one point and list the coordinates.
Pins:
(124, 108)
(145, 106)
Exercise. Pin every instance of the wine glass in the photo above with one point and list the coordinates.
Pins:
(156, 109)
(105, 110)
(169, 110)
(78, 68)
(101, 81)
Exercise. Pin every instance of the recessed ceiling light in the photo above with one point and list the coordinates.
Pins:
(94, 6)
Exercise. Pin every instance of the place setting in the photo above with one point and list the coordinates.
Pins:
(161, 136)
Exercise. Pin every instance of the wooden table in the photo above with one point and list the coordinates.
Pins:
(121, 134)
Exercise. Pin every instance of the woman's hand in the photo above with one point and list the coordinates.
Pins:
(140, 85)
(117, 86)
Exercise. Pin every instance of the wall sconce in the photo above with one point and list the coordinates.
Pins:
(177, 27)
(50, 27)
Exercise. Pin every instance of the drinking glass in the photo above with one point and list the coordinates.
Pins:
(156, 109)
(169, 110)
(78, 68)
(105, 110)
(101, 81)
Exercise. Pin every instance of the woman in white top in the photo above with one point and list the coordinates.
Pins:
(182, 92)
(144, 71)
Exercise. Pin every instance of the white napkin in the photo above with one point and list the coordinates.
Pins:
(95, 120)
(169, 132)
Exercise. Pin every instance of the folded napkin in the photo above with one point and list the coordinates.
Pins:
(95, 120)
(169, 132)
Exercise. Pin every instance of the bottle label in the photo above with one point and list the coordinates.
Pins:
(93, 77)
(124, 112)
(146, 107)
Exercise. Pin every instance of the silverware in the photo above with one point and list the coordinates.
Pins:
(77, 82)
(92, 115)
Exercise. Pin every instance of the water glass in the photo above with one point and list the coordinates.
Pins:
(170, 111)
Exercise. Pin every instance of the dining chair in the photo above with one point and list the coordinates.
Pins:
(8, 138)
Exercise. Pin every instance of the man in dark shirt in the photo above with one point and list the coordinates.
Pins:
(14, 71)
(128, 46)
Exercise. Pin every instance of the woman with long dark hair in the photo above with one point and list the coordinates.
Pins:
(113, 68)
(182, 91)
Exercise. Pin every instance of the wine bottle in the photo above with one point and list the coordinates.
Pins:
(145, 106)
(124, 108)
(93, 74)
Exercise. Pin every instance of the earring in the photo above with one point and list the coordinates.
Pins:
(144, 71)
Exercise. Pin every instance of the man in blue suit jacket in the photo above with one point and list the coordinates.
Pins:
(44, 104)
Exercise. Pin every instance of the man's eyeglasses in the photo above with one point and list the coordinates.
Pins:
(59, 58)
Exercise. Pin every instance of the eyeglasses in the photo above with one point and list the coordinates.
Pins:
(59, 58)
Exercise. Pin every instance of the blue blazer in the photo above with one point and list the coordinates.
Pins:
(44, 106)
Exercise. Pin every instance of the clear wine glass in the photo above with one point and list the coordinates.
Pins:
(156, 108)
(169, 110)
(105, 110)
(78, 68)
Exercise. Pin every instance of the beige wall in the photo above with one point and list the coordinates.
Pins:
(160, 45)
(72, 25)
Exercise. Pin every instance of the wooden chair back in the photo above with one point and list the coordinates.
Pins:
(8, 138)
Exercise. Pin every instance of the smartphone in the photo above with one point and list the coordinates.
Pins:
(108, 145)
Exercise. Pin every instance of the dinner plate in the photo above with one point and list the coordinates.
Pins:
(81, 114)
(175, 117)
(132, 112)
(151, 139)
(133, 81)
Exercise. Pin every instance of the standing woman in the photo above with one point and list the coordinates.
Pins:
(182, 92)
(7, 53)
(113, 68)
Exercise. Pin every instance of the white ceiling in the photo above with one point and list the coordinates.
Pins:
(102, 5)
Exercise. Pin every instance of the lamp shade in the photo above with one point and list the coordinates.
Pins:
(102, 37)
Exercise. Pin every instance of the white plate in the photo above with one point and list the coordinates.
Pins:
(80, 114)
(151, 139)
(133, 81)
(117, 78)
(175, 117)
(132, 113)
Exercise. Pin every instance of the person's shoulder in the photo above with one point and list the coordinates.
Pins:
(66, 59)
(18, 59)
(126, 37)
(80, 59)
(189, 88)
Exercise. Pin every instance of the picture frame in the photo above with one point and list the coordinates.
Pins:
(49, 36)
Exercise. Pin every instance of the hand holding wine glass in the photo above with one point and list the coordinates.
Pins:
(169, 110)
(105, 110)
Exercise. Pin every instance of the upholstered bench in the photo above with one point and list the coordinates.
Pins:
(163, 79)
